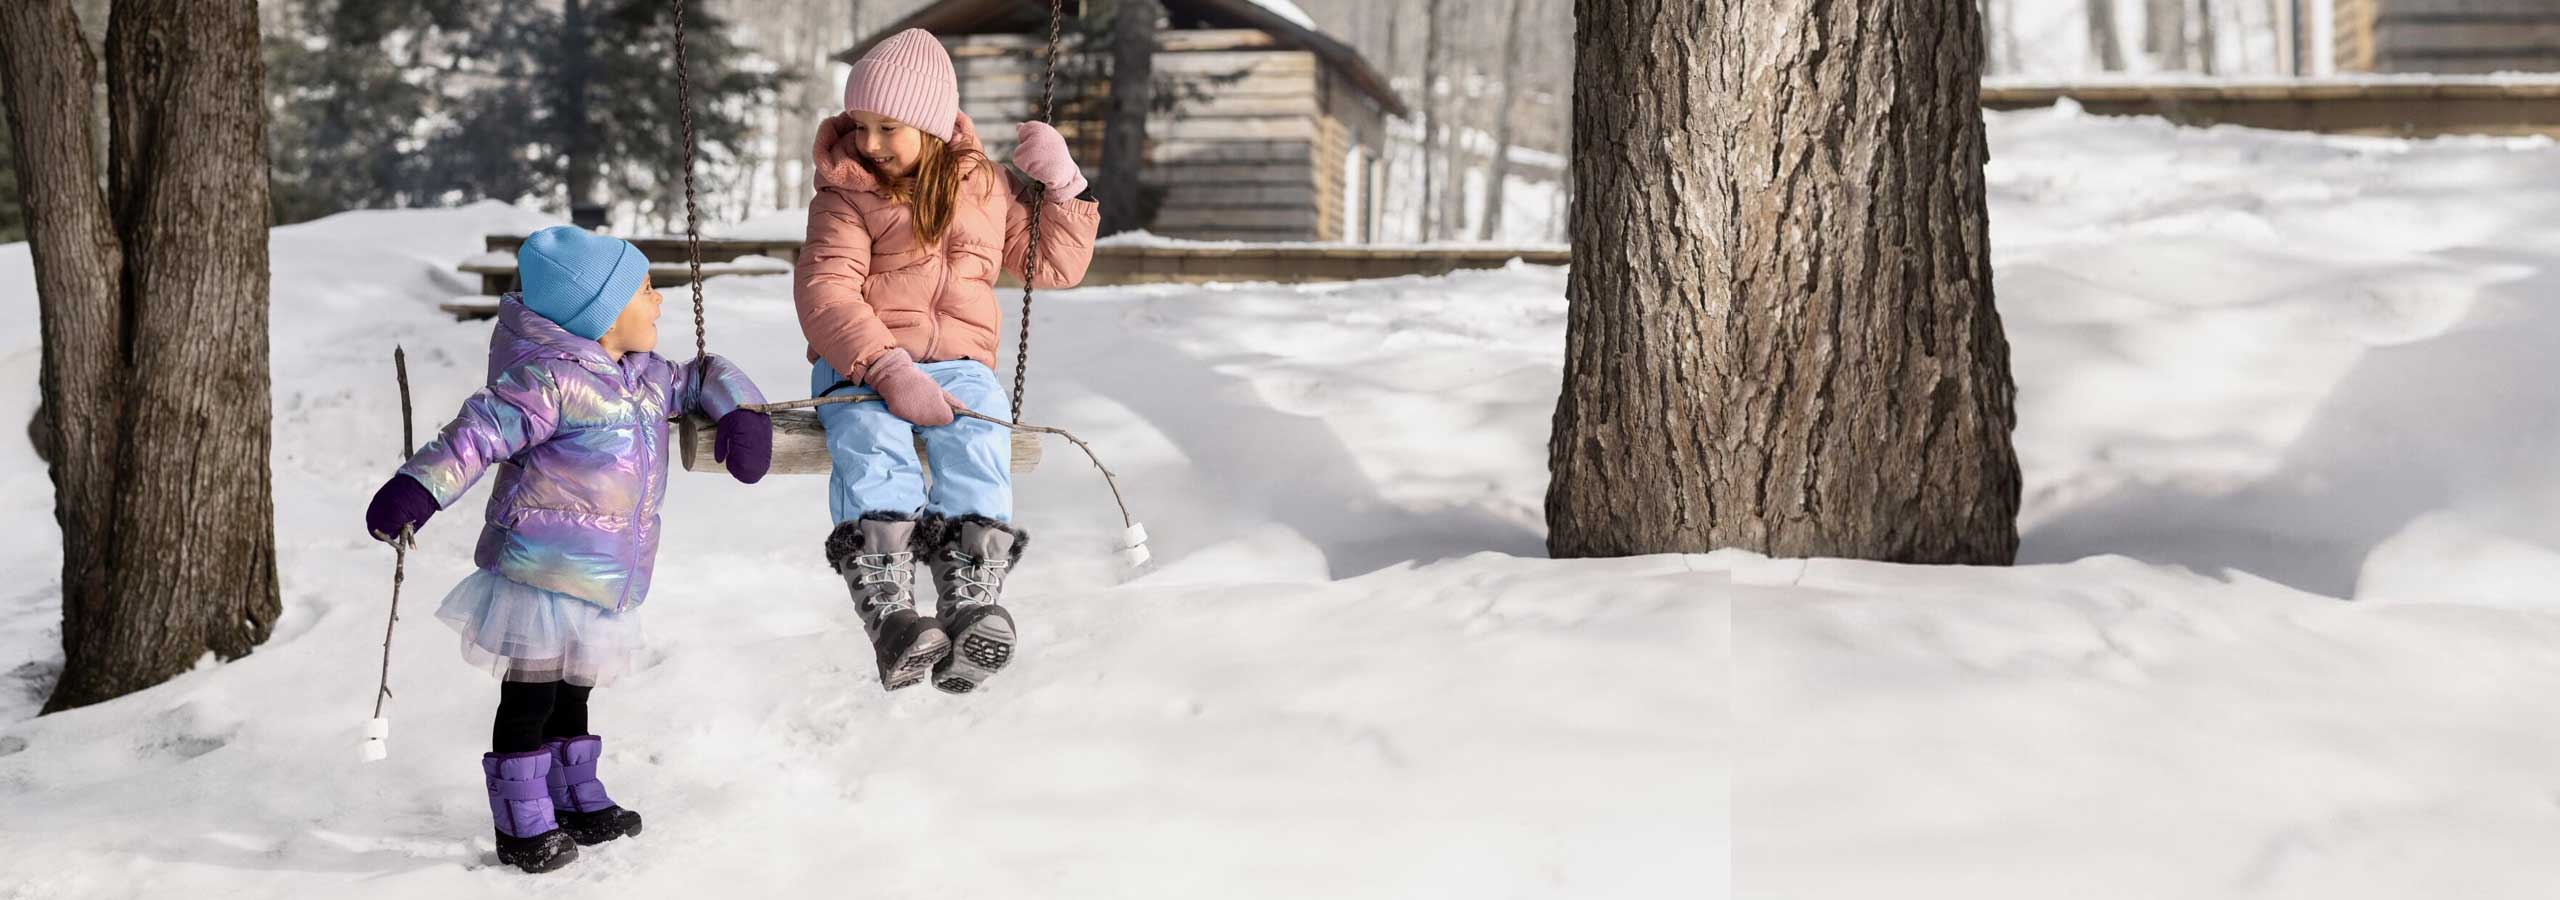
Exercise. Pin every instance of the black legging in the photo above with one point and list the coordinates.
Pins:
(529, 712)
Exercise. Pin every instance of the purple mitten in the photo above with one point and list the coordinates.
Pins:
(402, 502)
(909, 393)
(1042, 154)
(745, 442)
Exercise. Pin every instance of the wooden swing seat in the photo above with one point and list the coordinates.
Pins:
(800, 445)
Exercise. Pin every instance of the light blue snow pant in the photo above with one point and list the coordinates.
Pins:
(876, 469)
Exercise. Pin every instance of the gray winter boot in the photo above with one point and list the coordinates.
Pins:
(876, 556)
(970, 557)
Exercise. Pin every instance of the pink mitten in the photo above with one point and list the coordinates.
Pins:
(1042, 154)
(909, 393)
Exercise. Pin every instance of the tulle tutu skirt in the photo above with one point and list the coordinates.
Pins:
(522, 633)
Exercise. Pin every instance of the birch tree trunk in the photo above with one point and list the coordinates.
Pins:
(2104, 42)
(1500, 169)
(1434, 145)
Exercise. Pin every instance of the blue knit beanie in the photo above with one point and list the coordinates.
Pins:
(578, 279)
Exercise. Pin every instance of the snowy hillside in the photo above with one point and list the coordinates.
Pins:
(2287, 415)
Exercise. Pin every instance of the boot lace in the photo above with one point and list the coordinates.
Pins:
(976, 582)
(895, 570)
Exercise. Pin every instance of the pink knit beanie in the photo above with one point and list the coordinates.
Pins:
(908, 78)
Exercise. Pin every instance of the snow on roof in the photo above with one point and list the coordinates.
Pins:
(1289, 11)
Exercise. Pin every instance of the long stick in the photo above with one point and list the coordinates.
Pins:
(400, 546)
(1107, 476)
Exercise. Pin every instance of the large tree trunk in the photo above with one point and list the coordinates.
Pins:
(78, 266)
(1781, 334)
(155, 344)
(1124, 136)
(1500, 171)
(2103, 40)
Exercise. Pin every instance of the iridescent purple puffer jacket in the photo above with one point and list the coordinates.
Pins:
(580, 444)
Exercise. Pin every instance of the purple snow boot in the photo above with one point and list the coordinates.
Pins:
(529, 838)
(585, 812)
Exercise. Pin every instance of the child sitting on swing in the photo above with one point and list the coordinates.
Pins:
(896, 294)
(575, 421)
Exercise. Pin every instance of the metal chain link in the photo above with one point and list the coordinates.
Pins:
(1031, 234)
(692, 215)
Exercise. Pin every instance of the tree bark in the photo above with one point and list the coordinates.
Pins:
(155, 356)
(1500, 170)
(78, 261)
(2103, 40)
(1781, 334)
(1124, 136)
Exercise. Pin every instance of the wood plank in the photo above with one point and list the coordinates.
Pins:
(2397, 62)
(800, 445)
(1296, 217)
(2474, 9)
(1182, 172)
(1216, 106)
(1177, 150)
(1212, 196)
(1277, 128)
(2517, 38)
(1201, 63)
(1025, 90)
(1186, 147)
(1184, 40)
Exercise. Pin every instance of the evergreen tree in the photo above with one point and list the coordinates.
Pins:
(430, 102)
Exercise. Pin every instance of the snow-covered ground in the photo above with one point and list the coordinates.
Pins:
(2288, 415)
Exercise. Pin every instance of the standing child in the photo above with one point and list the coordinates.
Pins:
(575, 421)
(896, 291)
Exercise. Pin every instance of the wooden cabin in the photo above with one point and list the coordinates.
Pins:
(1276, 132)
(2453, 37)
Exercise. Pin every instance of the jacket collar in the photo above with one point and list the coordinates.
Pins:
(537, 336)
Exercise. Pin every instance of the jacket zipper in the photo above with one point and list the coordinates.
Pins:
(933, 305)
(639, 518)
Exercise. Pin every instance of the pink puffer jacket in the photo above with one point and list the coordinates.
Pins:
(866, 284)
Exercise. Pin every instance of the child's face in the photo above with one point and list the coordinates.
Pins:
(891, 146)
(637, 328)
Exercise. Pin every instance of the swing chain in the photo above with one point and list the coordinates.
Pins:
(1031, 231)
(692, 227)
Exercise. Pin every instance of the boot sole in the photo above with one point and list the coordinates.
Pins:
(553, 864)
(532, 866)
(984, 648)
(910, 668)
(589, 837)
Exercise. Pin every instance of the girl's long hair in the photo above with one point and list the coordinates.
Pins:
(934, 189)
